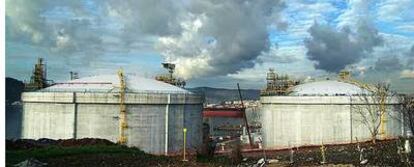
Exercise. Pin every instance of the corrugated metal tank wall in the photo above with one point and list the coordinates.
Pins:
(289, 121)
(60, 115)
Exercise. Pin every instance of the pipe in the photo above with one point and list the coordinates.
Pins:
(167, 108)
(75, 119)
(350, 116)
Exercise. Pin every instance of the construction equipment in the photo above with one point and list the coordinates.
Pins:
(122, 109)
(345, 76)
(278, 85)
(244, 116)
(170, 79)
(38, 80)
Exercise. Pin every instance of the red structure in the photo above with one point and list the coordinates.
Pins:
(231, 112)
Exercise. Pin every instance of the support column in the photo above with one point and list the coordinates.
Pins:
(350, 117)
(75, 117)
(167, 108)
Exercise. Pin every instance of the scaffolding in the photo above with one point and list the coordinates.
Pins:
(277, 85)
(122, 109)
(38, 80)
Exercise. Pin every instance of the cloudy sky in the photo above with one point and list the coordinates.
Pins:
(213, 42)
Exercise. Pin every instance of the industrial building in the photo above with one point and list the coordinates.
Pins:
(323, 112)
(128, 109)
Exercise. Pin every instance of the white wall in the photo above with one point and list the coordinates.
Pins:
(289, 121)
(96, 115)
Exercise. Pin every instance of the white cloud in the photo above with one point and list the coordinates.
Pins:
(285, 60)
(302, 15)
(394, 10)
(284, 54)
(187, 32)
(407, 74)
(395, 43)
(356, 9)
(406, 26)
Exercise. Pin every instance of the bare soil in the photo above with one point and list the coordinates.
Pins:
(100, 152)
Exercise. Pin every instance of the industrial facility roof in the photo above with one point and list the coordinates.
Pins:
(111, 83)
(327, 88)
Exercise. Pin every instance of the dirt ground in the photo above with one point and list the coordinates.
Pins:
(383, 153)
(94, 152)
(100, 152)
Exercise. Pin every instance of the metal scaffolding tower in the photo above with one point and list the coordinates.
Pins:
(38, 80)
(277, 85)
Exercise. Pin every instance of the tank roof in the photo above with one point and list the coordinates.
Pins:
(111, 83)
(327, 88)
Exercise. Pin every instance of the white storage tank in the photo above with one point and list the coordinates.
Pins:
(322, 112)
(156, 113)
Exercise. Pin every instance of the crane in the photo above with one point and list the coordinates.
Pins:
(122, 108)
(244, 116)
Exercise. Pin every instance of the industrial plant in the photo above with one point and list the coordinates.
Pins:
(160, 116)
(210, 83)
(150, 114)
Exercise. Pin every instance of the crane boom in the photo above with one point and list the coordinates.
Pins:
(245, 117)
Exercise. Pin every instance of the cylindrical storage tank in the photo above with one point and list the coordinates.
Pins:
(323, 112)
(156, 113)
